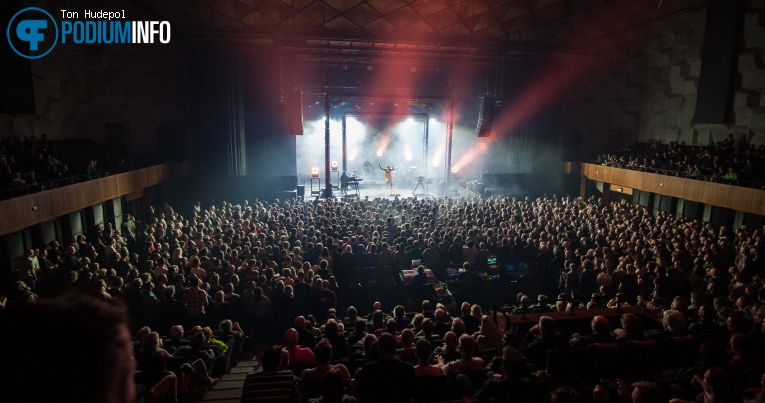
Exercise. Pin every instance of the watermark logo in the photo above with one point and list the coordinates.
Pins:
(32, 33)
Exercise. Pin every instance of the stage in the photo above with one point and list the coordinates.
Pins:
(374, 189)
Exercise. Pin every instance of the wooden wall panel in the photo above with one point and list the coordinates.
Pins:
(23, 212)
(717, 194)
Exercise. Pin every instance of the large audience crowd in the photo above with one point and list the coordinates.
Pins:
(212, 287)
(725, 161)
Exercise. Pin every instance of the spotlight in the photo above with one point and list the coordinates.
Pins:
(379, 153)
(314, 172)
(454, 170)
(334, 165)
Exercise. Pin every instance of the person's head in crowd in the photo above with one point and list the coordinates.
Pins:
(674, 321)
(407, 337)
(423, 350)
(450, 342)
(391, 326)
(458, 327)
(547, 327)
(466, 346)
(718, 386)
(290, 339)
(197, 340)
(271, 359)
(331, 328)
(386, 345)
(427, 326)
(94, 356)
(398, 312)
(352, 313)
(323, 351)
(370, 346)
(465, 308)
(600, 325)
(359, 327)
(176, 332)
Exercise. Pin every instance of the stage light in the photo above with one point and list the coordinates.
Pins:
(334, 165)
(433, 122)
(438, 156)
(410, 121)
(370, 68)
(383, 145)
(314, 172)
(352, 154)
(454, 170)
(408, 153)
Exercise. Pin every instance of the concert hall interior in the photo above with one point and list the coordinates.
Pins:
(413, 200)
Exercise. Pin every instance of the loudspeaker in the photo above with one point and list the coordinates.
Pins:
(301, 191)
(486, 114)
(295, 113)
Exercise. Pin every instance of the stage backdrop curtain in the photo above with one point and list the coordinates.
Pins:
(237, 146)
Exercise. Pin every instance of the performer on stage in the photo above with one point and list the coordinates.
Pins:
(388, 176)
(420, 182)
(367, 168)
(344, 183)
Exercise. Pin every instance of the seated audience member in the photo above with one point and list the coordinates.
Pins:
(375, 381)
(175, 338)
(196, 350)
(402, 321)
(297, 354)
(472, 322)
(449, 350)
(674, 325)
(706, 322)
(333, 389)
(270, 384)
(338, 341)
(632, 329)
(423, 367)
(407, 351)
(540, 338)
(306, 337)
(311, 378)
(514, 382)
(601, 333)
(466, 362)
(87, 336)
(443, 322)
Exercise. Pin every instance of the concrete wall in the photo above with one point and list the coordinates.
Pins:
(641, 80)
(79, 87)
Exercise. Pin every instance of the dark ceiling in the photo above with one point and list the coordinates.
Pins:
(357, 31)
